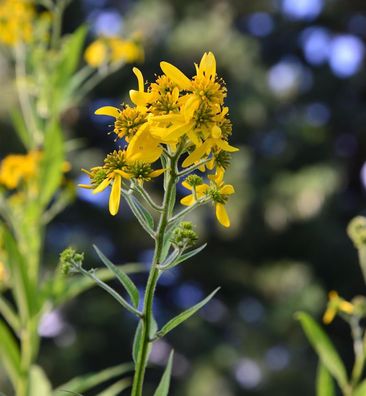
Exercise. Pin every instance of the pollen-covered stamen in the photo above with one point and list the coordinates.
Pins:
(129, 121)
(115, 160)
(226, 128)
(210, 91)
(166, 94)
(203, 117)
(140, 170)
(214, 193)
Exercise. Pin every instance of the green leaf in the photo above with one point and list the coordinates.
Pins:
(116, 388)
(184, 315)
(163, 388)
(137, 341)
(21, 129)
(75, 285)
(9, 353)
(167, 243)
(185, 256)
(141, 213)
(360, 390)
(24, 291)
(51, 164)
(324, 382)
(39, 383)
(89, 381)
(324, 348)
(122, 277)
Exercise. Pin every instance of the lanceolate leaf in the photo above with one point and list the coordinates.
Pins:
(39, 383)
(142, 214)
(324, 382)
(116, 388)
(184, 315)
(324, 348)
(137, 341)
(9, 353)
(163, 388)
(21, 128)
(89, 381)
(186, 256)
(122, 277)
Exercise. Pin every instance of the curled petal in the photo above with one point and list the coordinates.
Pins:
(115, 197)
(197, 154)
(176, 75)
(143, 147)
(227, 189)
(221, 215)
(108, 111)
(140, 78)
(188, 200)
(157, 172)
(140, 98)
(102, 186)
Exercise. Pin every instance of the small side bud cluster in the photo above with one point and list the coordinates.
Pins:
(357, 231)
(184, 236)
(194, 180)
(70, 260)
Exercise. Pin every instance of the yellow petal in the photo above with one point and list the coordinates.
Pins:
(227, 189)
(85, 186)
(140, 98)
(186, 185)
(143, 147)
(124, 174)
(140, 78)
(222, 215)
(201, 190)
(329, 315)
(224, 145)
(190, 107)
(115, 197)
(102, 186)
(157, 172)
(188, 200)
(108, 111)
(208, 65)
(216, 132)
(176, 75)
(196, 155)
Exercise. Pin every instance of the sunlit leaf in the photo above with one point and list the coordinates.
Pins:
(324, 382)
(360, 390)
(324, 348)
(116, 388)
(39, 383)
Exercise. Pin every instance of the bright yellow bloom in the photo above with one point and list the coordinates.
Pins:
(336, 304)
(17, 168)
(217, 191)
(106, 50)
(16, 17)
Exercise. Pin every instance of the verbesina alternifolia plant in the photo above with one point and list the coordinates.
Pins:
(177, 127)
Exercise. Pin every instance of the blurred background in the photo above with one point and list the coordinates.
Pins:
(296, 83)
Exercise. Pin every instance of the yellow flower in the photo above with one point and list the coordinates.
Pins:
(336, 304)
(17, 168)
(106, 50)
(16, 18)
(217, 191)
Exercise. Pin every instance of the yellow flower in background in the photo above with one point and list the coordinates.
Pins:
(336, 304)
(17, 168)
(16, 20)
(105, 50)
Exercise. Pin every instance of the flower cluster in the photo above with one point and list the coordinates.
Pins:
(16, 17)
(174, 114)
(18, 168)
(113, 50)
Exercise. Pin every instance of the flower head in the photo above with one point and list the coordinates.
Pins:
(336, 304)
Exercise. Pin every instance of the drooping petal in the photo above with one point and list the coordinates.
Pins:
(221, 215)
(224, 145)
(108, 111)
(143, 147)
(140, 98)
(115, 197)
(176, 75)
(188, 200)
(102, 186)
(227, 189)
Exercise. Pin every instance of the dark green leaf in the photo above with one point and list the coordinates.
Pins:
(9, 353)
(184, 315)
(137, 341)
(324, 382)
(324, 348)
(122, 277)
(89, 381)
(186, 256)
(163, 388)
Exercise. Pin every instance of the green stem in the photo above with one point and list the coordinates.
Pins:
(147, 315)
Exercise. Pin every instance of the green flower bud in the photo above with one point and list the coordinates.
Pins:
(70, 260)
(184, 236)
(194, 180)
(357, 231)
